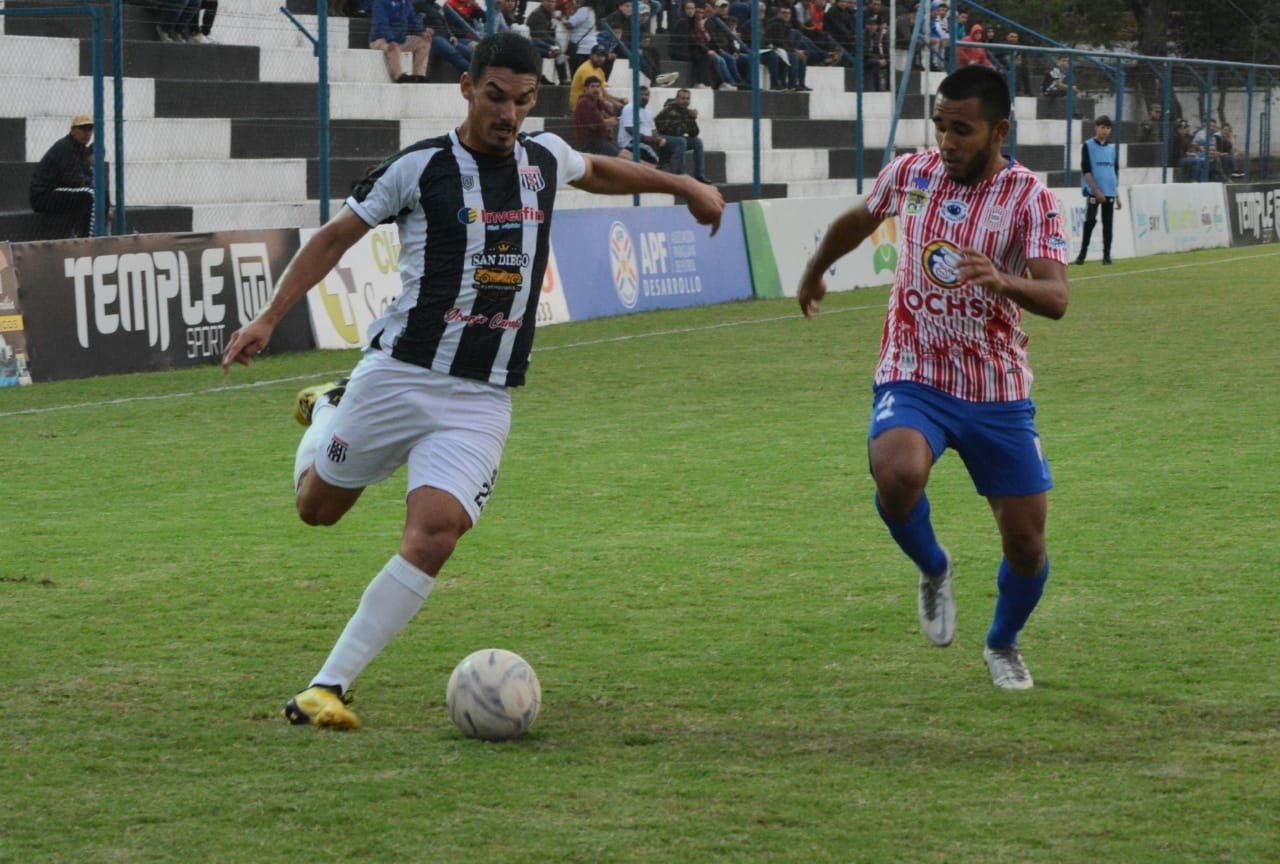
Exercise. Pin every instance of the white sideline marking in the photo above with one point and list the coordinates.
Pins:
(593, 342)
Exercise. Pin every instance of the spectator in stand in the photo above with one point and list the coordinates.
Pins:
(973, 55)
(677, 119)
(875, 68)
(787, 63)
(1008, 54)
(593, 122)
(583, 36)
(939, 34)
(1151, 130)
(178, 21)
(63, 181)
(1054, 84)
(733, 51)
(1206, 144)
(904, 26)
(654, 146)
(1227, 153)
(618, 41)
(1190, 160)
(594, 67)
(841, 24)
(809, 35)
(691, 44)
(543, 24)
(456, 52)
(469, 11)
(202, 24)
(394, 28)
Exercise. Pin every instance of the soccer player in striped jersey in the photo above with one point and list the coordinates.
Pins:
(982, 241)
(473, 209)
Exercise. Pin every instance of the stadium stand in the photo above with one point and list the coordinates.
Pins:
(223, 137)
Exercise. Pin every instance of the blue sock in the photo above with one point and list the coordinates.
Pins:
(1018, 597)
(915, 537)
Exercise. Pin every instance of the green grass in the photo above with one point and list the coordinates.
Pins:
(684, 546)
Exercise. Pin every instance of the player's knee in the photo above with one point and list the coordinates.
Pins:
(314, 512)
(428, 550)
(1025, 551)
(898, 479)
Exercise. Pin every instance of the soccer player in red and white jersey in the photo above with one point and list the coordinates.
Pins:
(982, 241)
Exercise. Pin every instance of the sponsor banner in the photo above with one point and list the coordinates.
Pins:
(357, 291)
(617, 261)
(1177, 217)
(1073, 204)
(13, 337)
(146, 302)
(1253, 208)
(367, 279)
(793, 230)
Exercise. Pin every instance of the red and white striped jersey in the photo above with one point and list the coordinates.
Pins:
(941, 331)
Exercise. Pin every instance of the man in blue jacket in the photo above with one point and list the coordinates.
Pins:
(395, 28)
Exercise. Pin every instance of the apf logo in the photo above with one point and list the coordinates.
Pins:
(941, 262)
(622, 263)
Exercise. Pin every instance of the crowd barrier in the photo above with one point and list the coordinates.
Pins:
(76, 308)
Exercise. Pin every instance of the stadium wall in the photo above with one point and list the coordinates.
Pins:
(111, 305)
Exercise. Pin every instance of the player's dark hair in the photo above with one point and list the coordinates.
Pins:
(986, 85)
(505, 50)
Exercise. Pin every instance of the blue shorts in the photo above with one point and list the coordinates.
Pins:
(997, 440)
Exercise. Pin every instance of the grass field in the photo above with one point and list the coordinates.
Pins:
(683, 544)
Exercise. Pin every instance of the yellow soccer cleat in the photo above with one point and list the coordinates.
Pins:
(309, 396)
(321, 706)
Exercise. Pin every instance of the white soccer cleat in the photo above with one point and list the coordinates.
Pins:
(937, 606)
(1007, 669)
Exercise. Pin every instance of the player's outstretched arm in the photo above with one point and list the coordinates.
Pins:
(312, 263)
(843, 236)
(1045, 293)
(611, 175)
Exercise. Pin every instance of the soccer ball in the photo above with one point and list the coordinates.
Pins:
(493, 695)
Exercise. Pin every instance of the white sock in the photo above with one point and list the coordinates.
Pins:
(321, 420)
(389, 603)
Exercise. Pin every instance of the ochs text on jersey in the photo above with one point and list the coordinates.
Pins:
(159, 291)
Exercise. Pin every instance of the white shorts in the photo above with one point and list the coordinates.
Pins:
(451, 431)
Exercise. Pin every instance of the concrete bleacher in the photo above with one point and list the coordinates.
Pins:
(223, 136)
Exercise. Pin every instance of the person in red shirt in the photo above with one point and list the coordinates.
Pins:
(594, 126)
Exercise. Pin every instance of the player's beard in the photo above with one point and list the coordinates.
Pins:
(973, 170)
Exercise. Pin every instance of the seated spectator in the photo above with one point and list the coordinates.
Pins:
(63, 181)
(973, 55)
(593, 122)
(939, 34)
(734, 53)
(875, 66)
(454, 51)
(678, 120)
(1006, 55)
(1189, 160)
(395, 28)
(1054, 84)
(177, 20)
(1151, 130)
(617, 39)
(841, 24)
(691, 43)
(819, 47)
(655, 147)
(1227, 153)
(594, 67)
(471, 12)
(202, 23)
(544, 31)
(787, 63)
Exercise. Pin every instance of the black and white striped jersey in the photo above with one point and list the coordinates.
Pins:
(475, 233)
